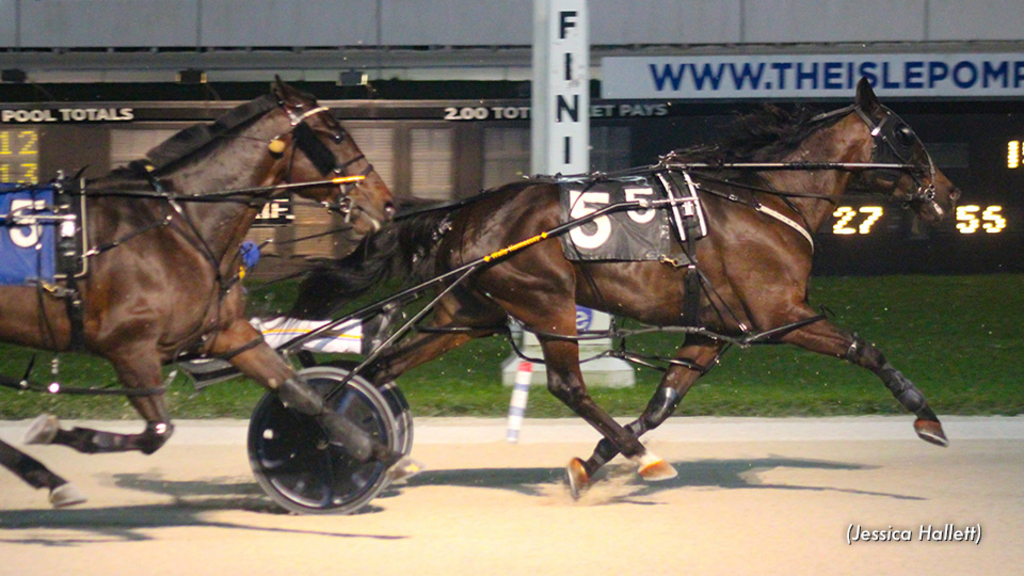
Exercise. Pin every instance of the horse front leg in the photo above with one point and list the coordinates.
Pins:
(261, 363)
(691, 362)
(37, 475)
(825, 338)
(138, 368)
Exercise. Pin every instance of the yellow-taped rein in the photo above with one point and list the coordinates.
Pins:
(347, 179)
(509, 249)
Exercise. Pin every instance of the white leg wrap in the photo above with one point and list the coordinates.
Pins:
(343, 339)
(651, 467)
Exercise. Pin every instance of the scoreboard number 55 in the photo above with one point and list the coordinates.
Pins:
(971, 217)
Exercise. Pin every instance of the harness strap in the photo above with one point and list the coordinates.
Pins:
(787, 221)
(297, 119)
(166, 221)
(691, 307)
(198, 241)
(24, 384)
(73, 304)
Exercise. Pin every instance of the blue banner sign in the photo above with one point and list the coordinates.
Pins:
(812, 76)
(26, 250)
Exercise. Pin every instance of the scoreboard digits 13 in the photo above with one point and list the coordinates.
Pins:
(19, 156)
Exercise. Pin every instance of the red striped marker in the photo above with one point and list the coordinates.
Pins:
(517, 406)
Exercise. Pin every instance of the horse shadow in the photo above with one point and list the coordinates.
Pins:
(709, 473)
(192, 501)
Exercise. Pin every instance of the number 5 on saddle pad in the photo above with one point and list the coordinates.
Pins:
(26, 243)
(629, 235)
(28, 236)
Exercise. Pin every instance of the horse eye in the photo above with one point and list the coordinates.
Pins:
(905, 136)
(338, 137)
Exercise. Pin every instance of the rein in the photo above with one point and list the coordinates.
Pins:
(879, 132)
(304, 139)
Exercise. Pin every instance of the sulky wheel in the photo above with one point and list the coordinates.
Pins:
(396, 401)
(299, 470)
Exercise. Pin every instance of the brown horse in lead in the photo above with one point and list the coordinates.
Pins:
(754, 265)
(164, 263)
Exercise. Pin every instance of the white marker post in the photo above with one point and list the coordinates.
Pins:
(560, 144)
(517, 406)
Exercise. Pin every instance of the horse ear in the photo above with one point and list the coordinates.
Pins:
(866, 99)
(280, 89)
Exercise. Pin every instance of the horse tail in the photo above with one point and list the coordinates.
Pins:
(403, 248)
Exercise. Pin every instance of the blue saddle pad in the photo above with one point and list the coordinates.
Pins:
(26, 250)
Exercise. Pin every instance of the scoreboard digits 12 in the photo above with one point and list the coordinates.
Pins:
(19, 156)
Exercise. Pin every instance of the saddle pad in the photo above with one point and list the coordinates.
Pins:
(626, 235)
(27, 251)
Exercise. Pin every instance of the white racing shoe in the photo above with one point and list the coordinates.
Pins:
(66, 495)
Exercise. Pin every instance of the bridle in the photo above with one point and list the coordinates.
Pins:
(891, 155)
(891, 158)
(305, 140)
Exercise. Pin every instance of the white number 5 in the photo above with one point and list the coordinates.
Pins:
(580, 207)
(26, 236)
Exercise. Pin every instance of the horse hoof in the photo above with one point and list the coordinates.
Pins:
(404, 469)
(652, 468)
(576, 477)
(42, 430)
(931, 431)
(66, 495)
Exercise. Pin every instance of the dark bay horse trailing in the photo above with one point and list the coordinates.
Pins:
(763, 194)
(162, 253)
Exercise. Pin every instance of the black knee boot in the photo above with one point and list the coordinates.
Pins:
(299, 396)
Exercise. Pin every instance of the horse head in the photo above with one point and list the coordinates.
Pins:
(316, 147)
(914, 179)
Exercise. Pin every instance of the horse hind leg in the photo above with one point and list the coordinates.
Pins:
(46, 429)
(37, 475)
(142, 372)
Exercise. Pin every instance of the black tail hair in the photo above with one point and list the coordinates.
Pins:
(404, 248)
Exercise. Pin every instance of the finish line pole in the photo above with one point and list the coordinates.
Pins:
(560, 144)
(560, 94)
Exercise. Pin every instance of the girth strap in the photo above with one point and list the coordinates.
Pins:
(73, 303)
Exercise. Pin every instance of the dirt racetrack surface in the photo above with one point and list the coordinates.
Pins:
(753, 496)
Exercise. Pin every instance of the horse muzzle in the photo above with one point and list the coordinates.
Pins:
(930, 206)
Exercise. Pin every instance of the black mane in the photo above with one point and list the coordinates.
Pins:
(194, 138)
(764, 135)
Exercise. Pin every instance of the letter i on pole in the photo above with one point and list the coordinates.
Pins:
(517, 406)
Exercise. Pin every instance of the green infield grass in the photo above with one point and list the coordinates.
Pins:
(959, 338)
